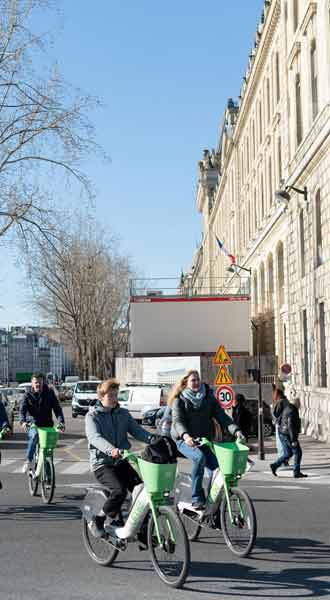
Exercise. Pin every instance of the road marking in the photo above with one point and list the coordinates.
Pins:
(8, 461)
(76, 469)
(281, 487)
(75, 456)
(288, 474)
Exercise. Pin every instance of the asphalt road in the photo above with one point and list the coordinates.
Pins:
(42, 554)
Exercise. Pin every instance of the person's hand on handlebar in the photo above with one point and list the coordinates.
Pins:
(61, 426)
(189, 440)
(115, 453)
(240, 437)
(25, 426)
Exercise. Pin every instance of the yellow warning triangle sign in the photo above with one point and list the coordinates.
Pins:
(221, 357)
(223, 377)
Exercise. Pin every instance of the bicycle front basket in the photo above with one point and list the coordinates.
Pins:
(157, 478)
(48, 437)
(232, 457)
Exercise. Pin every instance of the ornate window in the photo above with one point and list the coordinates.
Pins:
(302, 243)
(318, 228)
(299, 128)
(315, 107)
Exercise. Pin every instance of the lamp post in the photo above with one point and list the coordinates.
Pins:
(257, 378)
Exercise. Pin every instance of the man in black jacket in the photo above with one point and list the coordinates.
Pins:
(39, 403)
(289, 429)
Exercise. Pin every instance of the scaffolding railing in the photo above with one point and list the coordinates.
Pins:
(188, 286)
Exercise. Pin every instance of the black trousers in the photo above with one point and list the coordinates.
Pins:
(118, 478)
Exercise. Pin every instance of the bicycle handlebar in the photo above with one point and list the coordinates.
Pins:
(4, 431)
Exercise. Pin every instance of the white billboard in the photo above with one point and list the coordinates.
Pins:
(167, 326)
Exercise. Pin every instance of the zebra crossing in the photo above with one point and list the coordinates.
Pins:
(63, 466)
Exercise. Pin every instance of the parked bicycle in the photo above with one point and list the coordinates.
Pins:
(3, 433)
(151, 513)
(43, 469)
(228, 508)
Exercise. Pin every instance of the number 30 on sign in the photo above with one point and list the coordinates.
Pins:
(225, 396)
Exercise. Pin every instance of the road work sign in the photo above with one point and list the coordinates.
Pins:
(222, 357)
(223, 377)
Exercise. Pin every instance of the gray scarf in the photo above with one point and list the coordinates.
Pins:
(196, 398)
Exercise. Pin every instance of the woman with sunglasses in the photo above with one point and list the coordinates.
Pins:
(194, 407)
(107, 426)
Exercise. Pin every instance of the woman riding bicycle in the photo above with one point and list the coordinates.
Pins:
(107, 426)
(193, 409)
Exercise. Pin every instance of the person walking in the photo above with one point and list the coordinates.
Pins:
(289, 429)
(279, 402)
(194, 407)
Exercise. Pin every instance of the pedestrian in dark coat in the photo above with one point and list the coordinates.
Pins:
(289, 429)
(241, 415)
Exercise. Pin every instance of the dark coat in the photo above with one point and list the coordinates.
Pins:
(243, 418)
(3, 416)
(278, 409)
(40, 407)
(197, 422)
(290, 424)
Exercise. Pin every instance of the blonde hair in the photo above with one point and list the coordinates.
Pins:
(180, 386)
(104, 387)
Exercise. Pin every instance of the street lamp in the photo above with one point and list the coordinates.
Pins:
(283, 196)
(235, 268)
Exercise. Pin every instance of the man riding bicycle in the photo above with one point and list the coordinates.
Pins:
(39, 403)
(107, 426)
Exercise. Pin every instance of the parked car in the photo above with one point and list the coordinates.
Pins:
(65, 392)
(269, 427)
(140, 398)
(84, 396)
(150, 416)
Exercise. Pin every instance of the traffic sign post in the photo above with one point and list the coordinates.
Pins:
(225, 396)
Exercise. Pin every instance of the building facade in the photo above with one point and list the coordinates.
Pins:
(277, 138)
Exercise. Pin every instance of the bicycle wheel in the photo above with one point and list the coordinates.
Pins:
(33, 482)
(240, 534)
(47, 480)
(193, 528)
(171, 560)
(99, 549)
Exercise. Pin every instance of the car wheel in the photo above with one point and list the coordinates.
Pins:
(74, 416)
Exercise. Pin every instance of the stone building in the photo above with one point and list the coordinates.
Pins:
(277, 138)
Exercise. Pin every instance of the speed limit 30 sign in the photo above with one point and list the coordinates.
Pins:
(225, 396)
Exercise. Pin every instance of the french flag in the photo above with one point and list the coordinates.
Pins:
(225, 251)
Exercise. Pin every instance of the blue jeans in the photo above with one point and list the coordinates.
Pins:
(201, 458)
(32, 442)
(288, 451)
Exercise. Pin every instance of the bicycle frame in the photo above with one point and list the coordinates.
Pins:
(227, 482)
(43, 453)
(154, 500)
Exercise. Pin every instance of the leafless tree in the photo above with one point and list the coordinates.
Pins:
(81, 287)
(44, 126)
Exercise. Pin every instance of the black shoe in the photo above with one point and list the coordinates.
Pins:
(198, 505)
(286, 463)
(299, 475)
(273, 469)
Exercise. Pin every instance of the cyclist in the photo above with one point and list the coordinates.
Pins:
(193, 410)
(107, 426)
(4, 423)
(39, 403)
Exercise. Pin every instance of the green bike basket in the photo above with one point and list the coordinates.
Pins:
(48, 437)
(232, 457)
(157, 478)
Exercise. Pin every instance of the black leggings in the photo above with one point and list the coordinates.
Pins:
(118, 478)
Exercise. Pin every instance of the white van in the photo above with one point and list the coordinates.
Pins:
(84, 396)
(138, 398)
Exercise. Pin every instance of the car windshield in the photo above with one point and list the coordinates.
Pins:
(87, 386)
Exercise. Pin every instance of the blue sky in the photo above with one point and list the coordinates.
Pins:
(164, 72)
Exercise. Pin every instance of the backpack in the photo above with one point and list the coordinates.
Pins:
(161, 450)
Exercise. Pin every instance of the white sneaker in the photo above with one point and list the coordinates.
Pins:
(27, 466)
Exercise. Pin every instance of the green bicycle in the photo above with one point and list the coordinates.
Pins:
(43, 470)
(150, 513)
(228, 507)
